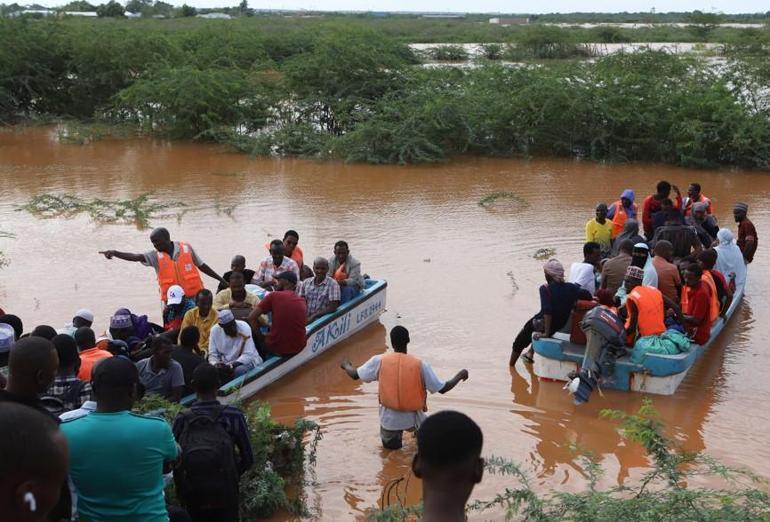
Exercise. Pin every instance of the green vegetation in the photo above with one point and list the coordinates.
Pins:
(662, 494)
(281, 458)
(542, 254)
(137, 211)
(354, 91)
(491, 200)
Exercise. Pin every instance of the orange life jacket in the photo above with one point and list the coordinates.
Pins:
(400, 382)
(341, 273)
(649, 304)
(182, 272)
(715, 306)
(619, 218)
(701, 199)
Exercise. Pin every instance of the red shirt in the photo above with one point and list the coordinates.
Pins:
(651, 206)
(287, 333)
(699, 306)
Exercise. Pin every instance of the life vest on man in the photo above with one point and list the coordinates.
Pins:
(715, 305)
(619, 218)
(182, 272)
(341, 273)
(649, 304)
(689, 202)
(400, 383)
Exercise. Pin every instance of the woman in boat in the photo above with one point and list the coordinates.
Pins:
(730, 259)
(557, 299)
(630, 232)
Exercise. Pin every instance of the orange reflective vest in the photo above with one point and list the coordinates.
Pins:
(341, 273)
(715, 305)
(400, 382)
(649, 304)
(182, 272)
(619, 218)
(689, 202)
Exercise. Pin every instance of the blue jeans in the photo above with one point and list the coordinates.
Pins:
(347, 293)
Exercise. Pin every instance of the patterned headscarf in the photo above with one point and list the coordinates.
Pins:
(554, 269)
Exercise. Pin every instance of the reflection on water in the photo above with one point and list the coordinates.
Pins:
(461, 277)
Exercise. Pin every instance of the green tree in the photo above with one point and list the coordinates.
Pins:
(111, 9)
(78, 6)
(187, 11)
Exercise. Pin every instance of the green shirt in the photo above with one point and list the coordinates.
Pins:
(116, 464)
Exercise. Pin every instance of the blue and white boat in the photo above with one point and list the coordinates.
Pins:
(556, 357)
(322, 335)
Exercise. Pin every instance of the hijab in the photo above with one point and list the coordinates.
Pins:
(729, 257)
(631, 232)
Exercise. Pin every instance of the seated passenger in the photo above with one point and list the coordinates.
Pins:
(174, 309)
(83, 317)
(274, 264)
(599, 230)
(159, 373)
(346, 270)
(630, 232)
(236, 298)
(287, 331)
(716, 282)
(696, 305)
(89, 353)
(640, 257)
(653, 205)
(705, 225)
(231, 346)
(645, 311)
(188, 355)
(557, 299)
(584, 274)
(683, 237)
(321, 292)
(730, 259)
(238, 264)
(669, 280)
(614, 269)
(203, 317)
(71, 391)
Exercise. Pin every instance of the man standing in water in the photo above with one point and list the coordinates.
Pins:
(449, 462)
(404, 381)
(747, 234)
(175, 263)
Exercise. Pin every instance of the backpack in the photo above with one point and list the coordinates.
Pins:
(57, 405)
(207, 476)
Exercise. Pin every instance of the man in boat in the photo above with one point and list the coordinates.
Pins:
(236, 298)
(682, 237)
(321, 292)
(175, 263)
(705, 225)
(287, 331)
(448, 460)
(276, 263)
(346, 270)
(721, 294)
(669, 279)
(614, 269)
(203, 317)
(694, 196)
(404, 381)
(231, 347)
(584, 274)
(653, 205)
(748, 241)
(621, 211)
(237, 264)
(557, 299)
(697, 305)
(599, 230)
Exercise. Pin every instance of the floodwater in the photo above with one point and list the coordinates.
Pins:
(461, 277)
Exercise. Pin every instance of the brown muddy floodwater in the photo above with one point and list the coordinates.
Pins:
(461, 277)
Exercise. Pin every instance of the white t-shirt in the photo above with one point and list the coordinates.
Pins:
(224, 349)
(400, 420)
(584, 275)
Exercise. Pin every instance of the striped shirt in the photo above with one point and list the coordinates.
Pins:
(61, 390)
(318, 296)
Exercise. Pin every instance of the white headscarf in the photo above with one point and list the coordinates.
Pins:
(729, 258)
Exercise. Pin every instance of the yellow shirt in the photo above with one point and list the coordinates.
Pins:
(599, 233)
(204, 324)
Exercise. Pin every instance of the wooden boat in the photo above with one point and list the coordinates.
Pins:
(322, 335)
(661, 374)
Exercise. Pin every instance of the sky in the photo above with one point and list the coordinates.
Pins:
(480, 6)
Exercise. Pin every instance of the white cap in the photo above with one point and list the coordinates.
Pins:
(85, 313)
(174, 295)
(225, 316)
(7, 337)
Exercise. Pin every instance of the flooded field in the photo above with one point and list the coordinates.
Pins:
(461, 277)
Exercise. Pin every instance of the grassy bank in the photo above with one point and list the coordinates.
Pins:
(353, 90)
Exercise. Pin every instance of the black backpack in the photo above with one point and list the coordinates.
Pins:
(207, 476)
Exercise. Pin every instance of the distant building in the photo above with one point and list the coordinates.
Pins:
(87, 14)
(507, 22)
(215, 16)
(443, 16)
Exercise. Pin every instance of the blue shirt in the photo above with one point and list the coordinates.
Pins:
(116, 464)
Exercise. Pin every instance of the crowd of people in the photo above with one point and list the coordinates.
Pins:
(655, 293)
(66, 403)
